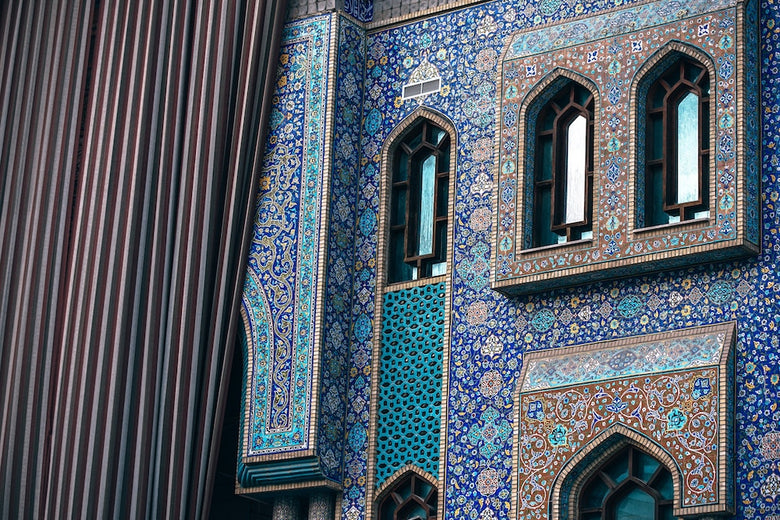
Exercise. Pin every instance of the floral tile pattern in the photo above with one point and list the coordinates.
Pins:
(490, 333)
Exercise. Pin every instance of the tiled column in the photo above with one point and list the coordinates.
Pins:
(286, 508)
(321, 506)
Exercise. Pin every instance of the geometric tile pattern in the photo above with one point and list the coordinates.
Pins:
(408, 417)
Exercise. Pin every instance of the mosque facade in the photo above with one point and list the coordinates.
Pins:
(517, 260)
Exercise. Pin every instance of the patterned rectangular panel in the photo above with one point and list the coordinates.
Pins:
(667, 392)
(615, 55)
(409, 392)
(282, 287)
(644, 356)
(341, 235)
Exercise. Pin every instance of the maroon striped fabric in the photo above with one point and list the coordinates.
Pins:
(129, 159)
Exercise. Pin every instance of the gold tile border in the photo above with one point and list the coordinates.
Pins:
(376, 26)
(410, 284)
(382, 288)
(275, 457)
(423, 13)
(243, 435)
(725, 409)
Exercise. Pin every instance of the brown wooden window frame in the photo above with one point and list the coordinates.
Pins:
(412, 148)
(618, 489)
(564, 107)
(675, 83)
(393, 503)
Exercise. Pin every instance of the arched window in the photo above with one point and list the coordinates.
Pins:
(631, 485)
(418, 207)
(412, 498)
(563, 167)
(677, 144)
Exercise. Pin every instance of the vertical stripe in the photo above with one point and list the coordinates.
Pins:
(129, 140)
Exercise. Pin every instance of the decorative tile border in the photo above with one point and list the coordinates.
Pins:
(342, 196)
(642, 355)
(282, 312)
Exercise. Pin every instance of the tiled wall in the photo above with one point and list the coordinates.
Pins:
(489, 332)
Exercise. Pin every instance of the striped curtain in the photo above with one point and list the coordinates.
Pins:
(129, 160)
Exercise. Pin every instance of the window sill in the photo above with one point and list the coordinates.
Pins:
(397, 286)
(693, 223)
(574, 244)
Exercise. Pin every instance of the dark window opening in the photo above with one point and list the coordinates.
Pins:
(412, 498)
(419, 204)
(631, 485)
(563, 168)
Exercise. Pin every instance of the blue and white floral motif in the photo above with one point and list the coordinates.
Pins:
(617, 405)
(652, 356)
(490, 433)
(558, 436)
(701, 387)
(535, 410)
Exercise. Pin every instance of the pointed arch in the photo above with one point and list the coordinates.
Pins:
(569, 482)
(421, 112)
(558, 118)
(655, 167)
(557, 76)
(399, 237)
(408, 489)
